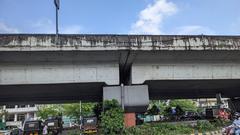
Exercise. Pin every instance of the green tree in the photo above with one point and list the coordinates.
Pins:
(154, 110)
(45, 111)
(160, 104)
(2, 112)
(98, 108)
(73, 110)
(112, 117)
(184, 104)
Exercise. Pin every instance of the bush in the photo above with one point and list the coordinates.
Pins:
(112, 121)
(203, 126)
(220, 122)
(159, 129)
(154, 110)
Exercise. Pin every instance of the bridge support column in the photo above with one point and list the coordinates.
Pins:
(219, 100)
(134, 99)
(130, 119)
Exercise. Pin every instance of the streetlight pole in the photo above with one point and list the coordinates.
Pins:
(57, 5)
(56, 22)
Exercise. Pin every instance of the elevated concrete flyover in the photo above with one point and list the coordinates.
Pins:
(35, 68)
(39, 68)
(196, 68)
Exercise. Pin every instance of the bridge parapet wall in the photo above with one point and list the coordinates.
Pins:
(44, 42)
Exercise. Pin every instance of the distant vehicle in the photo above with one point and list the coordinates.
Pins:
(69, 123)
(14, 130)
(5, 132)
(214, 112)
(34, 127)
(55, 125)
(191, 116)
(89, 125)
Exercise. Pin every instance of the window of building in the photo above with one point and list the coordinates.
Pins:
(10, 117)
(20, 117)
(32, 105)
(10, 106)
(22, 106)
(31, 115)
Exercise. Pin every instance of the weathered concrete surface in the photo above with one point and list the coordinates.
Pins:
(134, 98)
(58, 67)
(35, 68)
(31, 42)
(58, 73)
(179, 71)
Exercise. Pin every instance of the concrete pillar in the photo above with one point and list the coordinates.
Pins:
(15, 117)
(219, 100)
(132, 98)
(136, 98)
(27, 116)
(129, 119)
(34, 115)
(3, 118)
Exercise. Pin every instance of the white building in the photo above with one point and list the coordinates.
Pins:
(208, 102)
(16, 114)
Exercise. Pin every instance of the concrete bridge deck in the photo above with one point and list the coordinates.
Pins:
(36, 67)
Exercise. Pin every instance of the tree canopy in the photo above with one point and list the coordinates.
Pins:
(70, 110)
(184, 104)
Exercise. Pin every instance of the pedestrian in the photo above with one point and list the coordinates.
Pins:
(45, 130)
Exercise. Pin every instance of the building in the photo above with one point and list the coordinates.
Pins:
(17, 114)
(208, 102)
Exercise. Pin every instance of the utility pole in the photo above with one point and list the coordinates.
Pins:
(57, 5)
(122, 96)
(80, 109)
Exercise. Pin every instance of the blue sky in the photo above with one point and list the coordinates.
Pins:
(213, 17)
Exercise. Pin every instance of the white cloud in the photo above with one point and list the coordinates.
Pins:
(151, 18)
(4, 28)
(193, 30)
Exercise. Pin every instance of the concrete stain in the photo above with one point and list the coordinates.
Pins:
(139, 42)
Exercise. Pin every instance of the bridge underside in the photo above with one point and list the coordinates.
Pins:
(171, 89)
(51, 93)
(93, 92)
